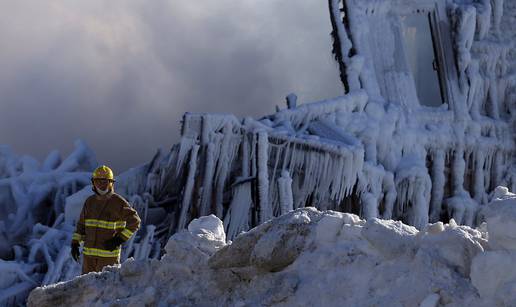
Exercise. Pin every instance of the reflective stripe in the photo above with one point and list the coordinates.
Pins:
(104, 224)
(90, 251)
(127, 233)
(77, 237)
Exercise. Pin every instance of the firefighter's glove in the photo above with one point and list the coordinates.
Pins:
(113, 243)
(75, 251)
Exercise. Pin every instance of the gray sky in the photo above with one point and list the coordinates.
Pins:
(119, 74)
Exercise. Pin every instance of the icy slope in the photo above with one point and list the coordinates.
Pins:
(313, 258)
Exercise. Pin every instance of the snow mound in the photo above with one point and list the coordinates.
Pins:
(500, 216)
(493, 273)
(210, 227)
(311, 258)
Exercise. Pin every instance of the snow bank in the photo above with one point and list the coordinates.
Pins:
(493, 273)
(311, 258)
(500, 216)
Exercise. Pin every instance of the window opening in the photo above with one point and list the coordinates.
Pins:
(421, 57)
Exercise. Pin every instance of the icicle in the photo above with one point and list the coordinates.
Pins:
(413, 186)
(143, 250)
(353, 167)
(273, 189)
(325, 178)
(185, 147)
(438, 182)
(489, 154)
(484, 13)
(207, 181)
(245, 156)
(223, 167)
(188, 191)
(369, 206)
(465, 31)
(500, 165)
(478, 188)
(237, 217)
(461, 207)
(338, 189)
(497, 14)
(420, 206)
(493, 109)
(263, 177)
(475, 91)
(389, 191)
(458, 169)
(285, 192)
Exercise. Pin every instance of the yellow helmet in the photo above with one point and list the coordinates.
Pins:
(103, 172)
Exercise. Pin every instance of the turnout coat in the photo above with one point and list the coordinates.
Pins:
(103, 217)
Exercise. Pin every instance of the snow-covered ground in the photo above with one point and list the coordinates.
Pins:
(313, 258)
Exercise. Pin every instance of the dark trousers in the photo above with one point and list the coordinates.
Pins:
(95, 264)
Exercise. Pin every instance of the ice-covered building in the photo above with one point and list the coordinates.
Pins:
(424, 131)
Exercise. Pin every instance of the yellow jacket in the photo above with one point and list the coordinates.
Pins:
(102, 218)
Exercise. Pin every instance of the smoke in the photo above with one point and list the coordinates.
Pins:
(120, 74)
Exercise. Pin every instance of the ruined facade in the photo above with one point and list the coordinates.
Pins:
(390, 147)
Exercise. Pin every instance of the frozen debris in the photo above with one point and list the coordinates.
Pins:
(39, 205)
(305, 258)
(74, 203)
(27, 190)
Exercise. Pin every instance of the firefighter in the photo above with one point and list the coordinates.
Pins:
(106, 222)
